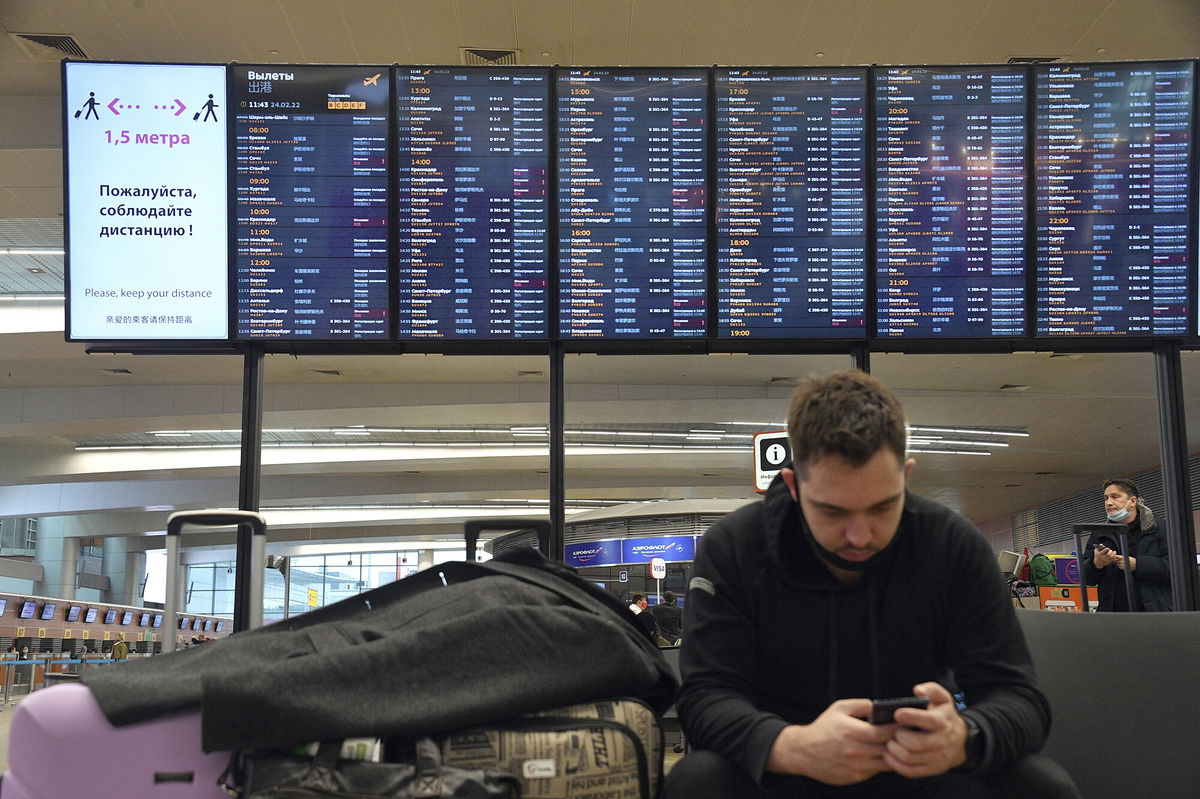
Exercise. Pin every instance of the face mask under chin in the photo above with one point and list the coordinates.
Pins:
(829, 557)
(1119, 516)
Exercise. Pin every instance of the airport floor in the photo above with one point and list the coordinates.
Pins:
(5, 719)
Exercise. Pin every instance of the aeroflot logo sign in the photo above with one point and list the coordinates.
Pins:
(594, 553)
(621, 551)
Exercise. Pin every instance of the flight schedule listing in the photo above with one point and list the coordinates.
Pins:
(1111, 147)
(950, 195)
(631, 203)
(791, 202)
(311, 201)
(473, 205)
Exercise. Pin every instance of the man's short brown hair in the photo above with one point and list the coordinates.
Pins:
(848, 414)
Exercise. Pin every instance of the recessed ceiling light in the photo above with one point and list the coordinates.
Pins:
(272, 52)
(820, 54)
(1101, 49)
(117, 371)
(1014, 387)
(33, 270)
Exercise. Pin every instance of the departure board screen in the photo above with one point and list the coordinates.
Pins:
(473, 149)
(631, 203)
(791, 202)
(311, 201)
(950, 201)
(1112, 144)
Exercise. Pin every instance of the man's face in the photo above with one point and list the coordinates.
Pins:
(853, 511)
(1115, 499)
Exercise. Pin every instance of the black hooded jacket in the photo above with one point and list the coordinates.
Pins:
(774, 638)
(1151, 577)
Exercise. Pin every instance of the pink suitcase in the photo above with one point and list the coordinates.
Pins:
(61, 745)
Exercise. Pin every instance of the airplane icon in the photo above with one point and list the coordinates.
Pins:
(373, 80)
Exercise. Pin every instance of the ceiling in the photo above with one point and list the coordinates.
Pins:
(1090, 416)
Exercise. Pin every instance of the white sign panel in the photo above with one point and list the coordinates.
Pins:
(147, 230)
(771, 451)
(658, 568)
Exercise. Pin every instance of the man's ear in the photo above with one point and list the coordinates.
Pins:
(789, 477)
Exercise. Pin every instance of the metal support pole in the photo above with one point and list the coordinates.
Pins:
(1172, 447)
(1130, 597)
(860, 356)
(251, 549)
(1079, 568)
(558, 458)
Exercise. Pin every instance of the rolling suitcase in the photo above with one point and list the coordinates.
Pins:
(60, 743)
(605, 749)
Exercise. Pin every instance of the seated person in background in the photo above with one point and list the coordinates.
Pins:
(840, 587)
(669, 618)
(1148, 561)
(637, 606)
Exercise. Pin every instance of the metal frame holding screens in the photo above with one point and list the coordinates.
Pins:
(383, 209)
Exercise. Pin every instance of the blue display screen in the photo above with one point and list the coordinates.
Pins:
(950, 201)
(632, 212)
(791, 202)
(473, 203)
(311, 201)
(1111, 150)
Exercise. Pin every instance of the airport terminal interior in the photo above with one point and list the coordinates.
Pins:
(371, 463)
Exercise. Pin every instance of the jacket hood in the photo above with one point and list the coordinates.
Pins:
(1145, 516)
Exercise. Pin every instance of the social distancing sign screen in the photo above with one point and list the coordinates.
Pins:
(147, 223)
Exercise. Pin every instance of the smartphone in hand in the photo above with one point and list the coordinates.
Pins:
(883, 710)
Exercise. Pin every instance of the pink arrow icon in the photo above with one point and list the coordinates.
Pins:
(114, 102)
(182, 107)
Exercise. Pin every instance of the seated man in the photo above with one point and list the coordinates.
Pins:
(840, 587)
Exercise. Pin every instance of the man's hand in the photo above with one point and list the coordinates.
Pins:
(928, 742)
(1103, 556)
(838, 748)
(1122, 560)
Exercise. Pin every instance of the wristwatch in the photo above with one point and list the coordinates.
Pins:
(974, 745)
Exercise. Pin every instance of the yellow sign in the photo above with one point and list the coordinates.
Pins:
(41, 632)
(312, 599)
(20, 632)
(68, 634)
(86, 634)
(107, 636)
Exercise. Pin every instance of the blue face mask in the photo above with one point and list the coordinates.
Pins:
(1119, 516)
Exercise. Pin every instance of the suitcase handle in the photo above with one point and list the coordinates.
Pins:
(473, 527)
(216, 518)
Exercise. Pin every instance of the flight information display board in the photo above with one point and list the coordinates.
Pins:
(311, 201)
(631, 203)
(791, 202)
(1112, 144)
(473, 150)
(950, 201)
